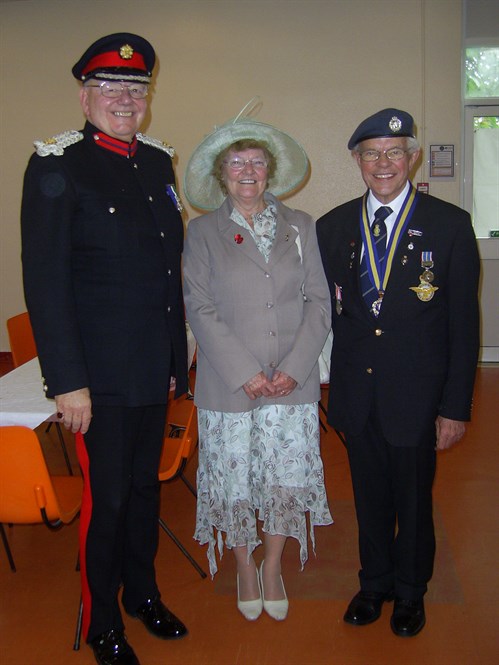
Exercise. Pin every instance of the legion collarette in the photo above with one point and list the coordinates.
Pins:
(378, 238)
(378, 256)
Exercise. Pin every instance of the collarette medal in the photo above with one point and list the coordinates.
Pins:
(376, 306)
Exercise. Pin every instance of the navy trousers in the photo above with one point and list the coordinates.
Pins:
(119, 457)
(393, 501)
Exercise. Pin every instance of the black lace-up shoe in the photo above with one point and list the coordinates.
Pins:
(111, 648)
(365, 607)
(408, 617)
(159, 621)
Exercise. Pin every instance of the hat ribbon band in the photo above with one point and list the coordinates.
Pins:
(113, 59)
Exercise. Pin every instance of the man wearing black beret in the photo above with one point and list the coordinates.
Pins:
(102, 237)
(403, 273)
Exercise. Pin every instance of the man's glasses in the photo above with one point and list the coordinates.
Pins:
(393, 154)
(115, 90)
(238, 164)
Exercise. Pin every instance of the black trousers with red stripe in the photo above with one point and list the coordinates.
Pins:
(119, 457)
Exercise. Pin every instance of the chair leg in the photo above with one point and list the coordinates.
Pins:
(188, 484)
(7, 549)
(324, 411)
(76, 645)
(177, 542)
(64, 449)
(341, 437)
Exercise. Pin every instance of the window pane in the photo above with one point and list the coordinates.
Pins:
(486, 175)
(482, 72)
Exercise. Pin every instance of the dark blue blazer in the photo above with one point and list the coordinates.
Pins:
(417, 359)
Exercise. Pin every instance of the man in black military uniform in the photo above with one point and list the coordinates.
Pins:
(102, 238)
(403, 273)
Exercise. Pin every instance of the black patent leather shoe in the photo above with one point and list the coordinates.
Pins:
(408, 617)
(159, 621)
(365, 607)
(111, 648)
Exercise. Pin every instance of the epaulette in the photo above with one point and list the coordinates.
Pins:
(56, 144)
(156, 143)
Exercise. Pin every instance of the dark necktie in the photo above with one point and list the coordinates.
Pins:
(378, 235)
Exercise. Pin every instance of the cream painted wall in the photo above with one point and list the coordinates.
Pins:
(319, 66)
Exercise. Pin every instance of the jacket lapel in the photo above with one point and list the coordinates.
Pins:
(286, 236)
(238, 236)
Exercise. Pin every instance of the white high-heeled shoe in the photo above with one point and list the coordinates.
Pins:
(250, 609)
(277, 609)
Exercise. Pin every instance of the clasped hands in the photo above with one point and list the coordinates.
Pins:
(281, 385)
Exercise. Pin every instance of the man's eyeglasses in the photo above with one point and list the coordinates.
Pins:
(393, 154)
(114, 90)
(238, 164)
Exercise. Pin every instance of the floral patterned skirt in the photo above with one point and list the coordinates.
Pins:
(266, 460)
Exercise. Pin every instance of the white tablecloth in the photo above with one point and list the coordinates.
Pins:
(22, 400)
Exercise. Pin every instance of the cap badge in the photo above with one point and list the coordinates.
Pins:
(395, 124)
(126, 52)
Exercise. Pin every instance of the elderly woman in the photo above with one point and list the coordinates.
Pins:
(258, 303)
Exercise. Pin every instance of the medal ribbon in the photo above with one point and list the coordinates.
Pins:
(379, 274)
(426, 259)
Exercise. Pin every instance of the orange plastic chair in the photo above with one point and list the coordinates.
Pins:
(181, 425)
(179, 441)
(28, 493)
(22, 342)
(23, 349)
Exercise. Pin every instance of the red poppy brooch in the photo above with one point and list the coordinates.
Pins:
(238, 238)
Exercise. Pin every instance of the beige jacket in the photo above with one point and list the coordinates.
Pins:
(248, 315)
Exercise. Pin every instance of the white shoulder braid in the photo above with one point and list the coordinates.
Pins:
(156, 143)
(56, 144)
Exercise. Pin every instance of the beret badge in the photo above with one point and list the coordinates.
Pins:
(126, 52)
(395, 124)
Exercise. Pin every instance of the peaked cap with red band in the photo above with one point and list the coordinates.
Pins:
(118, 57)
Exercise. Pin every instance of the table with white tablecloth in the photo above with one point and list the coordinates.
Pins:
(22, 399)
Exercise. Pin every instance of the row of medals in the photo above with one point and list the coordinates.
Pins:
(425, 291)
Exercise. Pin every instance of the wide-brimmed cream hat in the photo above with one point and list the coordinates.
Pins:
(202, 189)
